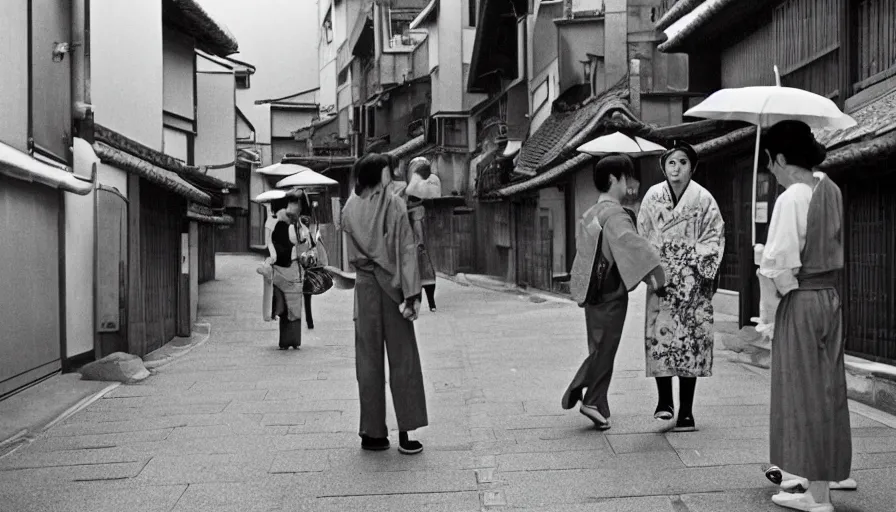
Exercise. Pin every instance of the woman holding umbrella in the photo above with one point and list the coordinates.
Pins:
(683, 223)
(803, 257)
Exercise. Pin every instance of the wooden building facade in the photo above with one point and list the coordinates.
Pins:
(843, 50)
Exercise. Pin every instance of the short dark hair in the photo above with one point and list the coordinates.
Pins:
(279, 204)
(617, 165)
(794, 140)
(368, 170)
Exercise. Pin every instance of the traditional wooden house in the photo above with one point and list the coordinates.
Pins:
(151, 198)
(839, 49)
(42, 84)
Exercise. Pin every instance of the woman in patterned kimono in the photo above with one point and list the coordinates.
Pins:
(809, 433)
(382, 249)
(681, 220)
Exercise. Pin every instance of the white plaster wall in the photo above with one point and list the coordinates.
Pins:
(451, 73)
(540, 113)
(216, 124)
(327, 95)
(80, 217)
(284, 122)
(179, 59)
(112, 177)
(126, 64)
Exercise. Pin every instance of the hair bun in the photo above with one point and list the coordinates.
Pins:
(818, 153)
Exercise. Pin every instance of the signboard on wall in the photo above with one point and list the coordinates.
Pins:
(184, 253)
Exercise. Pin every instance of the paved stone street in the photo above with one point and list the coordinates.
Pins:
(237, 425)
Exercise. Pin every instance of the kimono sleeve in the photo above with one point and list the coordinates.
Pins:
(710, 244)
(634, 256)
(407, 270)
(646, 227)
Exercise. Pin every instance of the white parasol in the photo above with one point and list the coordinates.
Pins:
(282, 169)
(306, 178)
(620, 143)
(271, 195)
(764, 106)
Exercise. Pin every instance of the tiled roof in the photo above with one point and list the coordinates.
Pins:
(874, 119)
(676, 12)
(558, 137)
(210, 35)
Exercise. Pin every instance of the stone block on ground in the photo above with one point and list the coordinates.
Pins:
(116, 367)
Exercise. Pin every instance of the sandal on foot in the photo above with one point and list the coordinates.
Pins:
(685, 424)
(844, 485)
(801, 501)
(374, 443)
(664, 412)
(592, 414)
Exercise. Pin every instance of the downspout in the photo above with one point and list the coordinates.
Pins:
(82, 110)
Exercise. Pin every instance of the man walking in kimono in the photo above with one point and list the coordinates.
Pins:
(611, 260)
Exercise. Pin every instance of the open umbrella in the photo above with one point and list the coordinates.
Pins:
(306, 178)
(764, 106)
(619, 143)
(282, 169)
(271, 195)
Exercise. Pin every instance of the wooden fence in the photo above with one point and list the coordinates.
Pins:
(869, 281)
(450, 236)
(208, 235)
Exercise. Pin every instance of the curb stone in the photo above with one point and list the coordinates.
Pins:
(177, 347)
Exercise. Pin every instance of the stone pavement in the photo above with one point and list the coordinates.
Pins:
(237, 425)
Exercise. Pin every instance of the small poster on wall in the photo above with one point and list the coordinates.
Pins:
(184, 253)
(762, 212)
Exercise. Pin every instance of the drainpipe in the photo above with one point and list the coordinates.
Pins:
(82, 110)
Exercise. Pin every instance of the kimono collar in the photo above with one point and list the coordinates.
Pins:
(676, 199)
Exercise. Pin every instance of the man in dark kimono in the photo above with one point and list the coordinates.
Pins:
(611, 260)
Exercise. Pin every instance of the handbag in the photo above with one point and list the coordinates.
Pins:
(317, 281)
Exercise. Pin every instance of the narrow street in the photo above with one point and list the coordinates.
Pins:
(237, 425)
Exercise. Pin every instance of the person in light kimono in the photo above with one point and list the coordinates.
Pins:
(424, 184)
(799, 268)
(683, 223)
(611, 260)
(383, 252)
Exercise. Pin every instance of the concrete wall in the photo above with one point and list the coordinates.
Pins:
(576, 39)
(125, 60)
(284, 122)
(216, 123)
